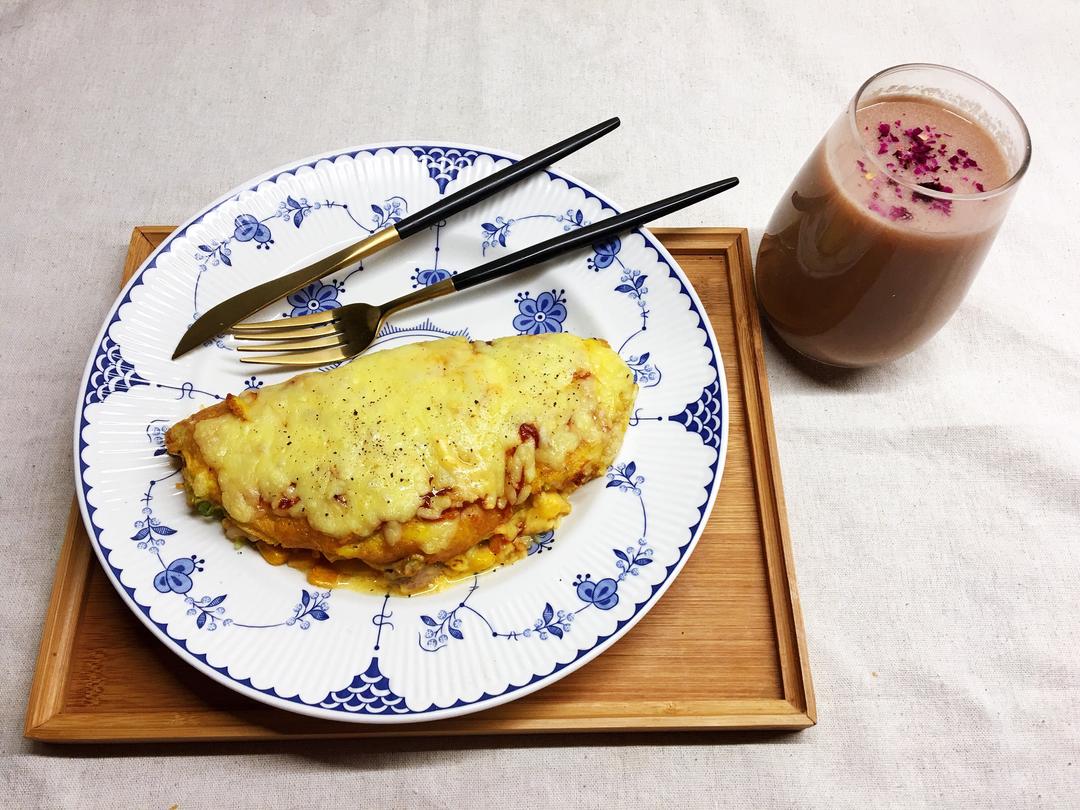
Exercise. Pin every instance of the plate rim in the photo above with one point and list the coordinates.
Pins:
(269, 696)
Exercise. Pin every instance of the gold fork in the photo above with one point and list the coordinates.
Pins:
(338, 334)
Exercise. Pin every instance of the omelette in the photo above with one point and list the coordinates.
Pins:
(411, 467)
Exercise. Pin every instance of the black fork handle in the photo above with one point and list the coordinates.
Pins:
(590, 235)
(482, 189)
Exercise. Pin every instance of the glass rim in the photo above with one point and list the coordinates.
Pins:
(1025, 161)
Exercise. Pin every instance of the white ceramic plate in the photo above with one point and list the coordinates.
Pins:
(343, 655)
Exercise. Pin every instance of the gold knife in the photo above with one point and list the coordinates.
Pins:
(233, 310)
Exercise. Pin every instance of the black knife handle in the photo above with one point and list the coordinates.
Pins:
(482, 189)
(587, 236)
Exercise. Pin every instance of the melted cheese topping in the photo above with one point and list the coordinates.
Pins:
(417, 430)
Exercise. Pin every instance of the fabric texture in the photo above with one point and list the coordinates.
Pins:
(934, 504)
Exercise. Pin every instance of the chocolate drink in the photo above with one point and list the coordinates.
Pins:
(881, 233)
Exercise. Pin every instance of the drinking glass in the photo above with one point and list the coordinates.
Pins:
(866, 256)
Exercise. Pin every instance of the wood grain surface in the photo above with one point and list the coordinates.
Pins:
(724, 648)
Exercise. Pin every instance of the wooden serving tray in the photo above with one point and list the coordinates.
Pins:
(724, 648)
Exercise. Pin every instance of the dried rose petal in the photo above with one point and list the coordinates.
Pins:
(944, 206)
(920, 152)
(934, 185)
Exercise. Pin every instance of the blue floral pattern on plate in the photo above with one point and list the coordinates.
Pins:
(315, 297)
(542, 315)
(498, 232)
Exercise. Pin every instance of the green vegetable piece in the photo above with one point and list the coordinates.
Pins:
(207, 509)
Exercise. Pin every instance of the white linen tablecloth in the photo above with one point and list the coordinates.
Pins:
(934, 504)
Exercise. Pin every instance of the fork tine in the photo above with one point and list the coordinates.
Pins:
(328, 342)
(313, 358)
(314, 319)
(299, 333)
